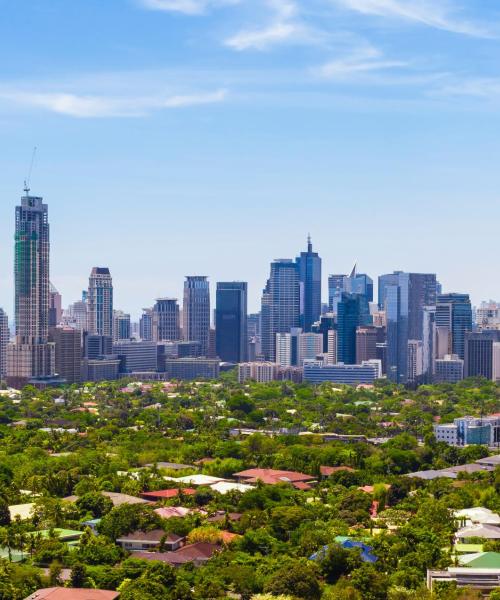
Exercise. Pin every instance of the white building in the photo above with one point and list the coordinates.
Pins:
(332, 347)
(310, 345)
(284, 349)
(262, 372)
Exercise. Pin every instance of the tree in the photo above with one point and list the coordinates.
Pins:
(297, 579)
(338, 562)
(127, 518)
(94, 503)
(78, 575)
(4, 513)
(144, 589)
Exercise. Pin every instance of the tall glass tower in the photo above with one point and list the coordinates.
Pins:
(309, 264)
(196, 311)
(231, 339)
(32, 356)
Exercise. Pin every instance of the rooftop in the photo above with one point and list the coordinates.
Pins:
(59, 593)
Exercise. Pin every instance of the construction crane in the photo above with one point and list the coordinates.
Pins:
(28, 179)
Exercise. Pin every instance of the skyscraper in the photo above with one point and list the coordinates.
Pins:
(4, 340)
(100, 302)
(283, 295)
(146, 325)
(479, 353)
(454, 311)
(335, 289)
(355, 283)
(309, 264)
(404, 296)
(231, 331)
(196, 311)
(165, 320)
(55, 307)
(31, 356)
(352, 312)
(121, 326)
(68, 353)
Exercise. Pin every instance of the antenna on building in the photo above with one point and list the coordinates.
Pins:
(28, 179)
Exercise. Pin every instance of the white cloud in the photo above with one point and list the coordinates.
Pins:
(282, 28)
(188, 7)
(84, 106)
(361, 60)
(439, 14)
(481, 87)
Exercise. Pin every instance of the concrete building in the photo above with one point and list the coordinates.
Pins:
(366, 343)
(103, 369)
(187, 369)
(4, 340)
(100, 302)
(121, 326)
(284, 349)
(310, 345)
(68, 353)
(466, 431)
(449, 369)
(340, 373)
(479, 353)
(332, 347)
(55, 307)
(136, 357)
(415, 361)
(165, 323)
(262, 372)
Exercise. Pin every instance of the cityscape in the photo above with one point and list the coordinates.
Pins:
(249, 300)
(413, 333)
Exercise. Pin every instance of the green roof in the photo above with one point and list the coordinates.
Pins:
(62, 534)
(481, 560)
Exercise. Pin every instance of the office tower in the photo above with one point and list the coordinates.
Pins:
(309, 346)
(4, 340)
(77, 316)
(146, 325)
(187, 369)
(55, 307)
(253, 325)
(68, 353)
(136, 357)
(335, 289)
(231, 327)
(358, 283)
(282, 299)
(454, 312)
(479, 353)
(415, 361)
(352, 312)
(309, 265)
(196, 311)
(403, 296)
(100, 302)
(428, 341)
(165, 320)
(121, 326)
(332, 347)
(324, 325)
(31, 356)
(495, 371)
(366, 343)
(96, 346)
(316, 373)
(449, 369)
(266, 344)
(101, 369)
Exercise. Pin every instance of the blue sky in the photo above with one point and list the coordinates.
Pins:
(208, 137)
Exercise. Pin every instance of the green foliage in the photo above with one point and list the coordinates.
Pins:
(127, 518)
(297, 579)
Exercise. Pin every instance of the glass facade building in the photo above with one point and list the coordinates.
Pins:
(454, 311)
(231, 329)
(196, 311)
(309, 265)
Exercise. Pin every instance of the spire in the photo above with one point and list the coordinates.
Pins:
(309, 243)
(353, 272)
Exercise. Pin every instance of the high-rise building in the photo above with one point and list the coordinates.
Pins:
(488, 315)
(449, 369)
(165, 320)
(146, 325)
(283, 296)
(454, 312)
(196, 311)
(335, 289)
(121, 326)
(367, 338)
(77, 316)
(415, 361)
(266, 341)
(68, 353)
(55, 307)
(231, 329)
(31, 356)
(309, 265)
(4, 340)
(100, 302)
(404, 296)
(284, 349)
(479, 353)
(352, 312)
(310, 345)
(332, 347)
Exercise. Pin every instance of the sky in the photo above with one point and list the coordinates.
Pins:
(209, 137)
